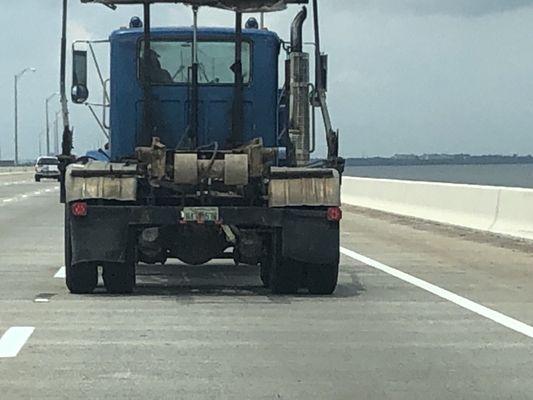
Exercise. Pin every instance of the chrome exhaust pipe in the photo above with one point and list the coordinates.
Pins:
(299, 122)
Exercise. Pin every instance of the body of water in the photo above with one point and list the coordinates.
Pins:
(514, 175)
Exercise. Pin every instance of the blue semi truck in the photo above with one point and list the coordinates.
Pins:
(207, 154)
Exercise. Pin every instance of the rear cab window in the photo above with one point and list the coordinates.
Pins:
(170, 62)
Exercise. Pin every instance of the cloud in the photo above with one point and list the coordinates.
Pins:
(79, 31)
(405, 75)
(458, 8)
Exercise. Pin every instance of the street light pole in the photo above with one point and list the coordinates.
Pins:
(56, 136)
(16, 121)
(40, 144)
(48, 122)
(17, 78)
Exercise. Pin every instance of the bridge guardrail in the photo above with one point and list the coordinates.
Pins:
(502, 210)
(15, 170)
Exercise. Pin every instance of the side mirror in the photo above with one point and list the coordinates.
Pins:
(80, 91)
(80, 94)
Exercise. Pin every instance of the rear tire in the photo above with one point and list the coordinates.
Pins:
(322, 278)
(37, 179)
(285, 277)
(119, 278)
(265, 273)
(81, 278)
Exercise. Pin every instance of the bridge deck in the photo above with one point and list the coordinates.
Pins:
(213, 332)
(489, 269)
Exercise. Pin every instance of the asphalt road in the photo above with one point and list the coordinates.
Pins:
(213, 332)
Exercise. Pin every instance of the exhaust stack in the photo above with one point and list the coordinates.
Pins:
(299, 125)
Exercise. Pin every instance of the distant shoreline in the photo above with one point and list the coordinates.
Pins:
(502, 174)
(438, 160)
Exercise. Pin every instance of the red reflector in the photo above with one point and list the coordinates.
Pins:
(334, 214)
(79, 209)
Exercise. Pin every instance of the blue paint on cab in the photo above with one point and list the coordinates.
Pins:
(170, 102)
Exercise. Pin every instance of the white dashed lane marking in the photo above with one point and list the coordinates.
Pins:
(2, 184)
(60, 273)
(13, 340)
(27, 195)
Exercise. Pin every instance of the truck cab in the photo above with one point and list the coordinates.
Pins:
(171, 58)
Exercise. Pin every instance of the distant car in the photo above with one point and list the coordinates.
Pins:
(46, 167)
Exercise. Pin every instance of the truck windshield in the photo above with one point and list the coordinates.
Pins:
(170, 62)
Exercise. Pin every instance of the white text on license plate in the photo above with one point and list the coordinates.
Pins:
(200, 214)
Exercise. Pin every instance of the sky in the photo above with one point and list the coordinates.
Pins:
(406, 76)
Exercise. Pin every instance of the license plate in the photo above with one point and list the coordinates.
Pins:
(200, 214)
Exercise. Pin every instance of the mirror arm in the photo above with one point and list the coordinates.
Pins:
(318, 58)
(311, 104)
(100, 76)
(106, 104)
(98, 120)
(66, 145)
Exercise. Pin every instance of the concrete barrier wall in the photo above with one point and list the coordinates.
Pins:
(15, 170)
(502, 210)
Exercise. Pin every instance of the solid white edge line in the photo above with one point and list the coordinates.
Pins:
(13, 340)
(463, 302)
(60, 273)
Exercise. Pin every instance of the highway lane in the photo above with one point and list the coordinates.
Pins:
(214, 332)
(489, 269)
(8, 181)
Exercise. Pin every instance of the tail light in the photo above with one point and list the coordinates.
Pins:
(334, 214)
(79, 209)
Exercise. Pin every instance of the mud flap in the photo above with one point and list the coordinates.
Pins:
(310, 240)
(101, 236)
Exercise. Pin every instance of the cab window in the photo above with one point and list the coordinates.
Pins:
(170, 62)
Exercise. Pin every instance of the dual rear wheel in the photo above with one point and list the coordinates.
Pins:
(119, 278)
(284, 275)
(287, 277)
(322, 278)
(82, 278)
